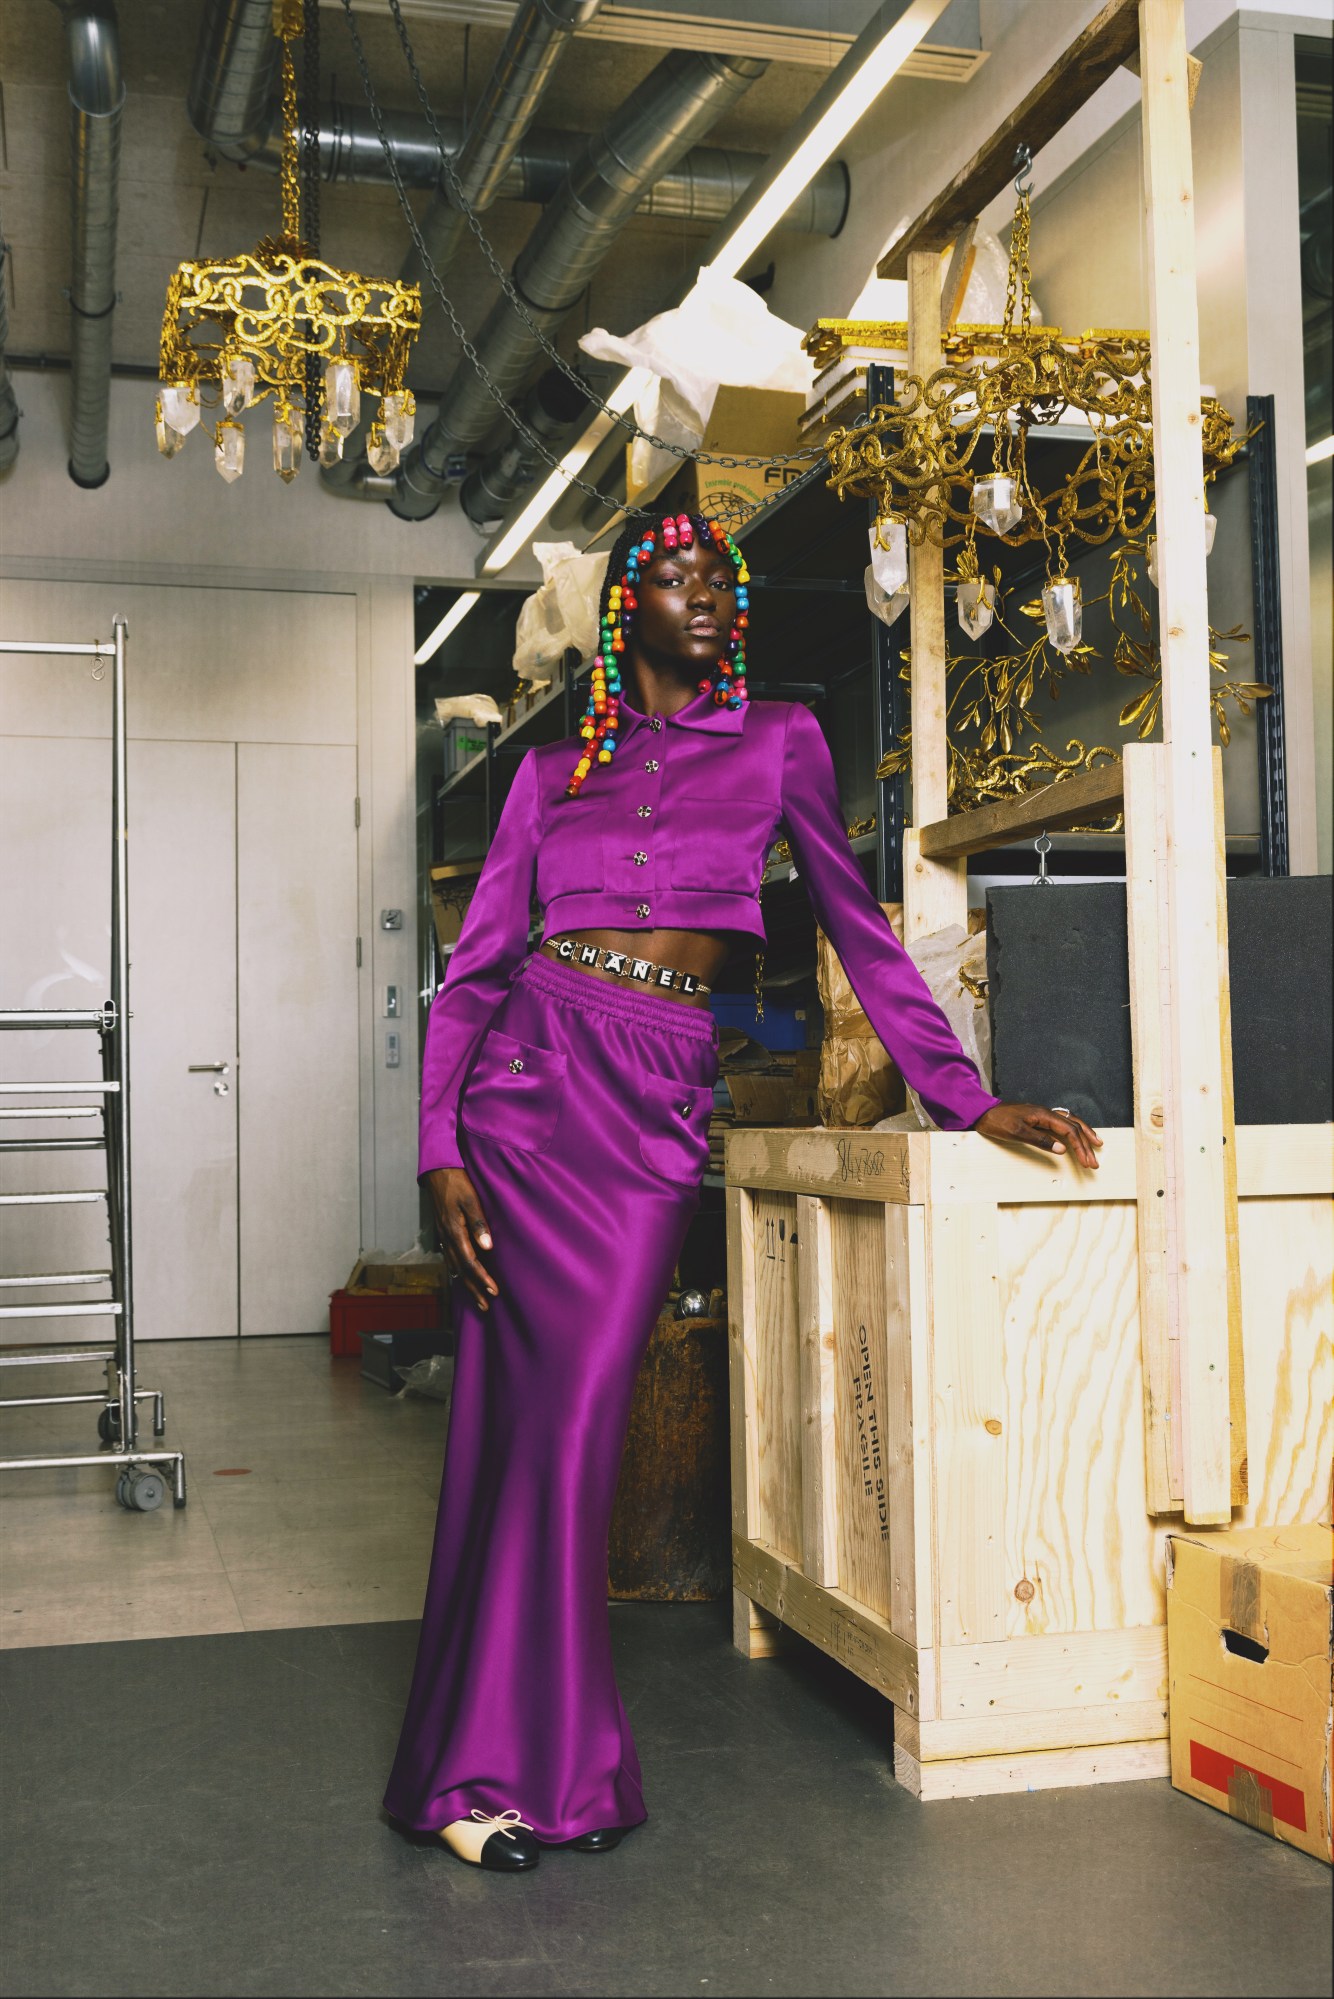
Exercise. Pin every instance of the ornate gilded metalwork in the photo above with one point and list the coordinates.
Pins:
(280, 323)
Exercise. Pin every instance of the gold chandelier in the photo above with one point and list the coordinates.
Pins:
(924, 460)
(280, 323)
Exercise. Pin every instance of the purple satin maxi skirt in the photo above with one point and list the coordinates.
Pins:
(584, 1128)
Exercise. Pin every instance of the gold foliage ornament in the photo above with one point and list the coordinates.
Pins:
(923, 459)
(278, 322)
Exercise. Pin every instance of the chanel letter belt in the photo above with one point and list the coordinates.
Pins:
(600, 957)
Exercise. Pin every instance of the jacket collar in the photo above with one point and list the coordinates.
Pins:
(700, 712)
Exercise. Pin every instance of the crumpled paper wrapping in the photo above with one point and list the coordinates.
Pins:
(476, 708)
(562, 611)
(946, 959)
(859, 1083)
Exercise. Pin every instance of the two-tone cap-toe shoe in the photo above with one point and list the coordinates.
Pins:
(502, 1841)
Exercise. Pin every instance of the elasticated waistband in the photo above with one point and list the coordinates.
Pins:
(623, 1002)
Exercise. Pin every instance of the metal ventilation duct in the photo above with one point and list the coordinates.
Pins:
(550, 407)
(655, 127)
(97, 95)
(233, 106)
(9, 409)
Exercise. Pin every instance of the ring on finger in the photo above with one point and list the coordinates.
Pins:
(1061, 1110)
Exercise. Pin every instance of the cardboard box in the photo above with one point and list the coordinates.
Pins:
(1250, 1660)
(744, 423)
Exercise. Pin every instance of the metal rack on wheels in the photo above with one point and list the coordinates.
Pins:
(141, 1486)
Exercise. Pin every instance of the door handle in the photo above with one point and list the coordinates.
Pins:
(207, 1069)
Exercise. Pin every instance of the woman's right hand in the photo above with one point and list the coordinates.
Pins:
(462, 1223)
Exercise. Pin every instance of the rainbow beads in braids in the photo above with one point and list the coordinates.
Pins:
(629, 559)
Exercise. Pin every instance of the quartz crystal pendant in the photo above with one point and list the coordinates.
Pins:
(169, 441)
(331, 445)
(238, 383)
(342, 397)
(229, 451)
(996, 503)
(288, 443)
(975, 601)
(180, 407)
(381, 455)
(1063, 608)
(889, 556)
(396, 415)
(887, 609)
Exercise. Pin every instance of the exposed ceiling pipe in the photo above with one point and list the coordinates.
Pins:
(550, 407)
(233, 100)
(9, 409)
(525, 66)
(656, 126)
(97, 96)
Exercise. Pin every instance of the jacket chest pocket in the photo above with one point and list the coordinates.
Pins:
(571, 858)
(513, 1094)
(674, 1128)
(721, 842)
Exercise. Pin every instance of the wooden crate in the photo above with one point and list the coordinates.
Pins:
(938, 1434)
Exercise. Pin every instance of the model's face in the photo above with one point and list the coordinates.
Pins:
(687, 605)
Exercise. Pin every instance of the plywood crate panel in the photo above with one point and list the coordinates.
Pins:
(938, 1433)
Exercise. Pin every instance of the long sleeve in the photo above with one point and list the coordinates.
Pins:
(892, 992)
(491, 943)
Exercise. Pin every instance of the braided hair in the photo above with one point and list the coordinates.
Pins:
(631, 554)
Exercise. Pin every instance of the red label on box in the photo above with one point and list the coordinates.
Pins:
(1211, 1767)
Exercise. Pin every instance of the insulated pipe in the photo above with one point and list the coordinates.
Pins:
(506, 108)
(233, 98)
(9, 409)
(550, 407)
(652, 131)
(97, 96)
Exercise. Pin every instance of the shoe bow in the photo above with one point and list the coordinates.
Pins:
(505, 1822)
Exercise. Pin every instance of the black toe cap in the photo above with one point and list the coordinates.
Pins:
(510, 1853)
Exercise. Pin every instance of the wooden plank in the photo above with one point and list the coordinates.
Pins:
(962, 258)
(1284, 1159)
(842, 1629)
(1080, 1553)
(776, 1432)
(1236, 1353)
(1195, 1106)
(1194, 71)
(857, 1231)
(1081, 69)
(935, 893)
(966, 1167)
(1066, 1670)
(908, 1426)
(815, 1311)
(867, 1165)
(1088, 794)
(756, 1633)
(1032, 1770)
(740, 1209)
(968, 1381)
(1144, 810)
(1047, 1728)
(1287, 1271)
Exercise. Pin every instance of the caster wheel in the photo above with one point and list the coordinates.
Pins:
(108, 1426)
(140, 1491)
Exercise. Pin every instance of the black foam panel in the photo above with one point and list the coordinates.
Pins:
(1060, 998)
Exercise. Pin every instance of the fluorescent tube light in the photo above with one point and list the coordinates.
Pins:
(1316, 454)
(451, 621)
(879, 52)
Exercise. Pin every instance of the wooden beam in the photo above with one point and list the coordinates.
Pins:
(1084, 67)
(960, 269)
(935, 893)
(819, 1443)
(1088, 794)
(1195, 1109)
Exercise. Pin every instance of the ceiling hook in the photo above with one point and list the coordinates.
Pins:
(1023, 162)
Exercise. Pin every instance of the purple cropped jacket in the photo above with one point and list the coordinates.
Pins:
(673, 834)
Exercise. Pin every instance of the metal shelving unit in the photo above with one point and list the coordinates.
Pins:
(141, 1487)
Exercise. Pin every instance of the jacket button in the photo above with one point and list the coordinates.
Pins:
(644, 811)
(685, 1110)
(641, 909)
(516, 1065)
(652, 764)
(640, 859)
(655, 723)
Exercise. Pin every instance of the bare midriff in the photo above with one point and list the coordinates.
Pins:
(703, 953)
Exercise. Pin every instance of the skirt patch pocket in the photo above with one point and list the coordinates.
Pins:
(674, 1128)
(513, 1094)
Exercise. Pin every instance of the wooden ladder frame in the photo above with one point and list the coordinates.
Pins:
(1172, 793)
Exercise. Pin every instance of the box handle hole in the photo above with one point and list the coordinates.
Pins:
(1242, 1647)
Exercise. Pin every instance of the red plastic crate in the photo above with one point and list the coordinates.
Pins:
(352, 1313)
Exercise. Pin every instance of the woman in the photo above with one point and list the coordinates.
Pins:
(566, 1095)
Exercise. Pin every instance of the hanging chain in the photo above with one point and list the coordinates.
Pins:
(759, 961)
(291, 177)
(459, 199)
(310, 202)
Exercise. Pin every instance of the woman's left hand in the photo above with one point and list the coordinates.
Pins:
(1031, 1124)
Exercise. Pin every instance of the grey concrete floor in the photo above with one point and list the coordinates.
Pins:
(199, 1711)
